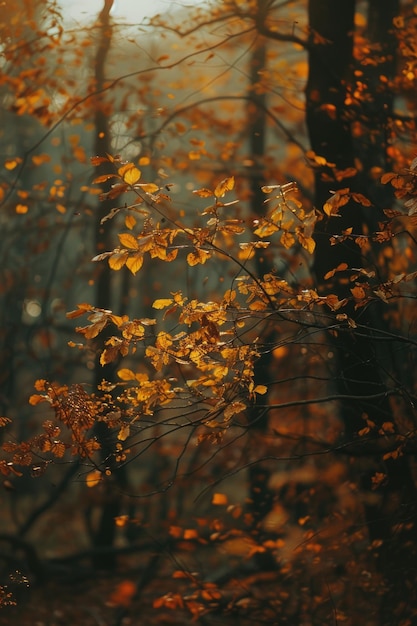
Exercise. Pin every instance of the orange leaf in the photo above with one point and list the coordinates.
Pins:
(190, 533)
(388, 177)
(93, 478)
(219, 499)
(98, 160)
(11, 164)
(103, 178)
(36, 399)
(203, 193)
(123, 594)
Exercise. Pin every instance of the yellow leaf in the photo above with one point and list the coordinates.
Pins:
(128, 241)
(126, 374)
(220, 372)
(234, 408)
(261, 389)
(287, 240)
(266, 229)
(124, 433)
(225, 185)
(135, 262)
(246, 253)
(93, 478)
(308, 243)
(258, 305)
(130, 221)
(118, 260)
(125, 168)
(199, 256)
(162, 303)
(149, 187)
(132, 176)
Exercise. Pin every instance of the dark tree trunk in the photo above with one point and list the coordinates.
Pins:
(391, 516)
(260, 496)
(105, 530)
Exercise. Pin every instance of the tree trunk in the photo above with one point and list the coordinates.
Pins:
(105, 531)
(260, 496)
(390, 512)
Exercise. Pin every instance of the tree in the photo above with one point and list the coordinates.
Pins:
(264, 409)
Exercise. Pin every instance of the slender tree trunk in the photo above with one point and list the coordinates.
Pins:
(260, 496)
(390, 513)
(105, 531)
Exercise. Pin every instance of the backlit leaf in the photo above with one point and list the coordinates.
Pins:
(199, 256)
(93, 478)
(225, 185)
(234, 408)
(130, 222)
(132, 176)
(135, 262)
(161, 303)
(128, 241)
(98, 160)
(126, 374)
(103, 178)
(118, 260)
(124, 432)
(287, 240)
(149, 187)
(203, 193)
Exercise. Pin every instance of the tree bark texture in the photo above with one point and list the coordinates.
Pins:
(390, 512)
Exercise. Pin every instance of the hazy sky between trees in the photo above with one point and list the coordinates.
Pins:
(133, 11)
